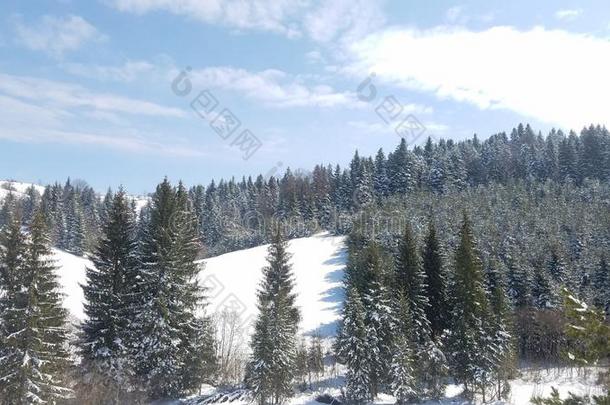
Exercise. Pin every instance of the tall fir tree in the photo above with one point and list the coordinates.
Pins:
(273, 343)
(353, 349)
(468, 338)
(403, 380)
(411, 281)
(34, 358)
(436, 283)
(103, 341)
(380, 319)
(166, 296)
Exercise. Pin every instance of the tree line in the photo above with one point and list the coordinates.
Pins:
(233, 214)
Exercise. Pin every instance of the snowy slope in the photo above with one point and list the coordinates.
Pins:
(18, 189)
(71, 272)
(317, 262)
(232, 280)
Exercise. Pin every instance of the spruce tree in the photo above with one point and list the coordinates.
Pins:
(601, 283)
(411, 281)
(273, 343)
(315, 357)
(543, 296)
(404, 384)
(468, 339)
(165, 297)
(436, 283)
(500, 327)
(103, 342)
(353, 349)
(380, 319)
(35, 359)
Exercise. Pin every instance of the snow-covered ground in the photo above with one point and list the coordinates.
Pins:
(17, 188)
(71, 272)
(532, 383)
(232, 280)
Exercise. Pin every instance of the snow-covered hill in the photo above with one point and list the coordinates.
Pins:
(17, 188)
(317, 262)
(232, 280)
(71, 271)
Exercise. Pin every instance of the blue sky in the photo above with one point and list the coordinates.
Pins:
(86, 87)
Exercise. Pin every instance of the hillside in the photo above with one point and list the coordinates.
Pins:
(232, 280)
(17, 188)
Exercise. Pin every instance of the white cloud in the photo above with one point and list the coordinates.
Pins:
(554, 76)
(274, 16)
(127, 72)
(314, 57)
(568, 14)
(124, 142)
(26, 122)
(65, 95)
(348, 19)
(273, 87)
(56, 35)
(322, 21)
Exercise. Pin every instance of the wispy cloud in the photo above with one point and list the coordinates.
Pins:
(463, 65)
(274, 88)
(568, 14)
(55, 35)
(26, 122)
(127, 72)
(322, 21)
(345, 19)
(123, 142)
(68, 95)
(275, 16)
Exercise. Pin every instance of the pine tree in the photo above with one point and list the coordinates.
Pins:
(74, 234)
(502, 356)
(35, 359)
(380, 176)
(543, 296)
(353, 350)
(31, 203)
(601, 282)
(165, 297)
(379, 319)
(301, 364)
(518, 282)
(402, 371)
(274, 340)
(557, 268)
(436, 283)
(586, 326)
(103, 342)
(411, 281)
(467, 338)
(12, 256)
(315, 357)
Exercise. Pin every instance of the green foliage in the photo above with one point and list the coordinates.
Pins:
(272, 365)
(587, 330)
